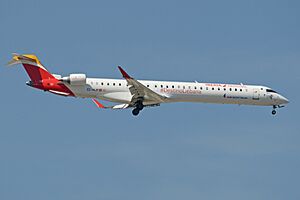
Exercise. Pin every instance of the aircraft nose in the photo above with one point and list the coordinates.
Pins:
(283, 100)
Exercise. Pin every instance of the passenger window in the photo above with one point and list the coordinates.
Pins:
(195, 88)
(147, 85)
(114, 84)
(230, 89)
(201, 88)
(212, 88)
(172, 86)
(119, 84)
(107, 83)
(241, 90)
(102, 83)
(161, 86)
(97, 83)
(206, 88)
(235, 89)
(183, 87)
(218, 88)
(156, 86)
(92, 83)
(224, 89)
(167, 86)
(178, 86)
(189, 87)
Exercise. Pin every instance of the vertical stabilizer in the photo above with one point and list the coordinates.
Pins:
(34, 68)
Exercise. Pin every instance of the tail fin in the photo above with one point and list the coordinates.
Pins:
(34, 68)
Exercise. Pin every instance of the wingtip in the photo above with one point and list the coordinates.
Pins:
(98, 104)
(124, 74)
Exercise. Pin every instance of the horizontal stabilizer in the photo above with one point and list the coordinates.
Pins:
(26, 58)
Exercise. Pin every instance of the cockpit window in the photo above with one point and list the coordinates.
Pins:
(269, 90)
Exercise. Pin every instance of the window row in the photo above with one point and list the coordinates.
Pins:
(102, 83)
(201, 88)
(173, 87)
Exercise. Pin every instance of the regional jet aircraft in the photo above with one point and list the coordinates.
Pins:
(137, 94)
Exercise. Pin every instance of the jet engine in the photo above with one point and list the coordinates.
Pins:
(75, 79)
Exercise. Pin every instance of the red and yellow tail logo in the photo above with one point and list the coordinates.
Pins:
(34, 68)
(40, 77)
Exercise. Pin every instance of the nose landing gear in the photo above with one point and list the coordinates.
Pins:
(274, 110)
(275, 107)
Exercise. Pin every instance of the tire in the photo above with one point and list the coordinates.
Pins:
(135, 111)
(273, 112)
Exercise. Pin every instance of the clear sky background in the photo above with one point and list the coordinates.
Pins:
(53, 147)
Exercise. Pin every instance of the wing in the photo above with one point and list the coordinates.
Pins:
(117, 107)
(120, 106)
(140, 92)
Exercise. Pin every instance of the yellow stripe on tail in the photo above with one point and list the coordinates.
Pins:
(17, 59)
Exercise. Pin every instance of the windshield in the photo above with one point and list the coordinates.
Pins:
(269, 90)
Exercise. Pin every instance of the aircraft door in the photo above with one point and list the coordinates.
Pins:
(256, 94)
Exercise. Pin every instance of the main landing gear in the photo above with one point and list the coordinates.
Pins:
(135, 111)
(138, 107)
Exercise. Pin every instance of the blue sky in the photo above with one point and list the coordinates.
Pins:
(53, 147)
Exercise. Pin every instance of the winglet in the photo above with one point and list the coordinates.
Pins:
(124, 74)
(98, 104)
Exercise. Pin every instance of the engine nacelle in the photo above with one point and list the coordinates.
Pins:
(75, 79)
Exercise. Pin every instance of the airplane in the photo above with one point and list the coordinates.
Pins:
(137, 94)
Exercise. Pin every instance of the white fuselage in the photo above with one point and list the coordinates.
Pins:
(137, 94)
(117, 90)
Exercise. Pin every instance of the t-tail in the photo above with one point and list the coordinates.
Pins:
(40, 77)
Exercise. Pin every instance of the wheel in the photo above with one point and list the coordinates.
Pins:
(135, 111)
(273, 112)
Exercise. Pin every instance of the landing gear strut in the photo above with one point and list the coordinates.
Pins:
(274, 110)
(140, 106)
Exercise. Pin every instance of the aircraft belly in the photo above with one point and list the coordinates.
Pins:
(124, 97)
(224, 99)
